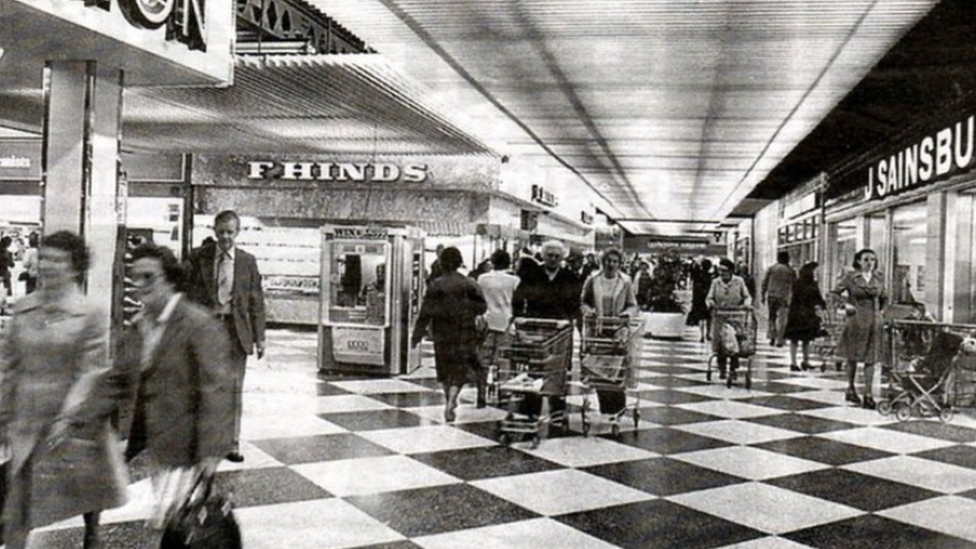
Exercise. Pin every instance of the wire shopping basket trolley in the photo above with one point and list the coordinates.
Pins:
(610, 353)
(537, 364)
(931, 369)
(733, 335)
(825, 346)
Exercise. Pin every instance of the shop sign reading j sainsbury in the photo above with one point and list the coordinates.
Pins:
(932, 158)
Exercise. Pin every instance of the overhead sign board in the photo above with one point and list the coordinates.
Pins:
(934, 157)
(156, 42)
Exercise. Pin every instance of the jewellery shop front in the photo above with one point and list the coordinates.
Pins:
(915, 205)
(284, 203)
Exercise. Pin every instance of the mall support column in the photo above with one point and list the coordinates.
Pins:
(82, 128)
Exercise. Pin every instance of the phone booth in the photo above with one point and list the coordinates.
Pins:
(371, 288)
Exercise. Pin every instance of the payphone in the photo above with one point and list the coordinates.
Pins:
(371, 288)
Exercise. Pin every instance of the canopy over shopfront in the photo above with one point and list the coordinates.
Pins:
(285, 104)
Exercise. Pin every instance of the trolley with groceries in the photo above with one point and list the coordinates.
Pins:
(734, 333)
(930, 367)
(610, 353)
(536, 364)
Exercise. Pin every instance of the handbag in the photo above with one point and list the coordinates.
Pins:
(204, 521)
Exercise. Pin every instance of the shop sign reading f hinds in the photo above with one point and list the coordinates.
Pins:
(184, 20)
(933, 158)
(337, 171)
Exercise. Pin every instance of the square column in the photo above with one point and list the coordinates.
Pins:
(81, 163)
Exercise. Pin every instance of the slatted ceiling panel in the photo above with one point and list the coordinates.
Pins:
(713, 94)
(354, 104)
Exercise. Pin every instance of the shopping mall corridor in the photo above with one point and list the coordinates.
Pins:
(355, 463)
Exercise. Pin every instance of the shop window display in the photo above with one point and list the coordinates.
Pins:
(909, 237)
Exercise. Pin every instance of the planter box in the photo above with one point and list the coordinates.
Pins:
(667, 325)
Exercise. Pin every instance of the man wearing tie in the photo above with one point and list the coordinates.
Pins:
(226, 280)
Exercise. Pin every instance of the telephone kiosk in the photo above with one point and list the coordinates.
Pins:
(371, 289)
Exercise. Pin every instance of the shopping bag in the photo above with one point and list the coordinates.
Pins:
(205, 521)
(729, 341)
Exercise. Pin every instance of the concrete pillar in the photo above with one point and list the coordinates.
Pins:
(82, 131)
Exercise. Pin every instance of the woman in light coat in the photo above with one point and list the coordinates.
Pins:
(861, 339)
(65, 458)
(609, 293)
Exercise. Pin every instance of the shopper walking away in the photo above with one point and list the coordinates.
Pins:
(861, 338)
(225, 279)
(65, 458)
(777, 288)
(803, 323)
(498, 287)
(728, 291)
(701, 283)
(449, 309)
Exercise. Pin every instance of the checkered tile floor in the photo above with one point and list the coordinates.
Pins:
(340, 462)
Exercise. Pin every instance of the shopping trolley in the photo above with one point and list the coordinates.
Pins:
(825, 345)
(537, 362)
(929, 367)
(610, 353)
(733, 334)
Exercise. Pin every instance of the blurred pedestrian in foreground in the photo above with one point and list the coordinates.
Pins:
(65, 457)
(175, 366)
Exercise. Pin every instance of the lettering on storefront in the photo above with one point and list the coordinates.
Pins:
(361, 172)
(15, 162)
(933, 158)
(541, 196)
(184, 20)
(359, 233)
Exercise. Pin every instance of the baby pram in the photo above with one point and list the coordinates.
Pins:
(920, 367)
(610, 354)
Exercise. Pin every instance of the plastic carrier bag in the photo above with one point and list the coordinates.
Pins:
(728, 340)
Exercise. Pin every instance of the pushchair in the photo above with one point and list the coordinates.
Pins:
(921, 366)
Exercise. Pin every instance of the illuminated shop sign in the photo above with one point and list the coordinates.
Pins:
(337, 171)
(11, 162)
(544, 197)
(184, 20)
(933, 158)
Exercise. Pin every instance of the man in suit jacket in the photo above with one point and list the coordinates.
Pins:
(225, 279)
(174, 367)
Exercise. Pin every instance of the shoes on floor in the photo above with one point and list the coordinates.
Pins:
(869, 403)
(235, 457)
(795, 368)
(806, 366)
(851, 396)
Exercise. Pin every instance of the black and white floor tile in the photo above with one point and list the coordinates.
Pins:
(343, 462)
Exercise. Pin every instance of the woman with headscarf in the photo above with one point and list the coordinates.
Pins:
(728, 291)
(803, 322)
(861, 339)
(65, 459)
(449, 308)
